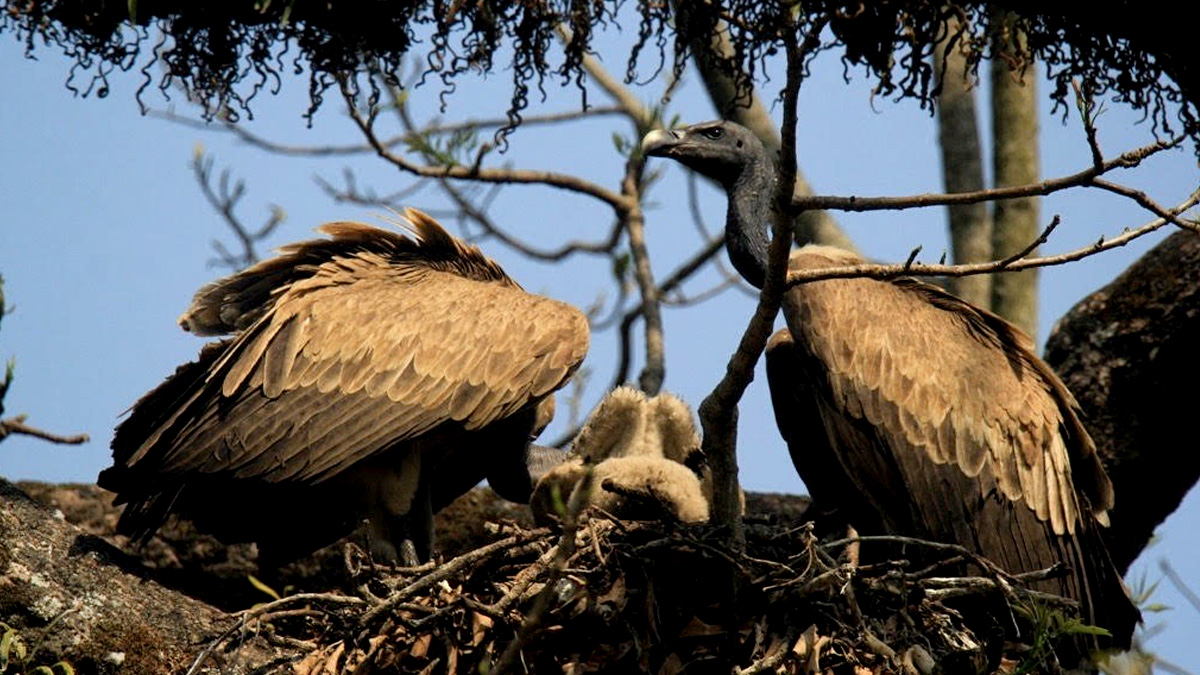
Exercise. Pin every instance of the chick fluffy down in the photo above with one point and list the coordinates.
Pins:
(631, 488)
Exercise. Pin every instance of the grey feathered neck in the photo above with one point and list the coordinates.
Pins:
(747, 219)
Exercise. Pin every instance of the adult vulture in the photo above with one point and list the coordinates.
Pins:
(911, 412)
(369, 376)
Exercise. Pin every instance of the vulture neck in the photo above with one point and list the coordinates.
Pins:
(747, 233)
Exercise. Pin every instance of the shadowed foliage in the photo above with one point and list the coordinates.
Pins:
(224, 54)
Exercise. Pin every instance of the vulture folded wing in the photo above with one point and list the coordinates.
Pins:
(942, 382)
(376, 344)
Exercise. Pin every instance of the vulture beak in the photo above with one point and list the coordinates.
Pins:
(659, 142)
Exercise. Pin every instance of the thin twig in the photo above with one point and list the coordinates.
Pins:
(565, 548)
(1084, 178)
(16, 425)
(224, 199)
(718, 412)
(277, 148)
(1179, 584)
(876, 271)
(366, 125)
(654, 370)
(446, 570)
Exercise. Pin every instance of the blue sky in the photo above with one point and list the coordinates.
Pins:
(106, 236)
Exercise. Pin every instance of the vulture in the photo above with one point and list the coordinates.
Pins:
(641, 451)
(367, 379)
(908, 411)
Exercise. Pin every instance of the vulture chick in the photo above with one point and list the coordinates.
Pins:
(637, 449)
(911, 412)
(368, 376)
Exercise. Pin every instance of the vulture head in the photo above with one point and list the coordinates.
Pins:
(733, 156)
(723, 151)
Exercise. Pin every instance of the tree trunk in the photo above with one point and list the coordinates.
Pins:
(962, 169)
(72, 596)
(1128, 352)
(1015, 161)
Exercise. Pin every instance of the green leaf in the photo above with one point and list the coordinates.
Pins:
(254, 581)
(1077, 627)
(620, 266)
(557, 501)
(287, 13)
(620, 143)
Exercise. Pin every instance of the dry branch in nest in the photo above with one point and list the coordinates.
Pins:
(651, 597)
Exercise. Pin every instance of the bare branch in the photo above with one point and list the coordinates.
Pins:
(16, 425)
(479, 216)
(654, 371)
(718, 412)
(277, 148)
(1084, 178)
(366, 124)
(1145, 202)
(681, 300)
(873, 271)
(642, 117)
(1179, 584)
(224, 198)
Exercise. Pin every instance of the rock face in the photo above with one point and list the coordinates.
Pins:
(1128, 354)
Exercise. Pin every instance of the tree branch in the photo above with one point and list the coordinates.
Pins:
(718, 412)
(366, 124)
(1085, 178)
(16, 425)
(407, 138)
(874, 271)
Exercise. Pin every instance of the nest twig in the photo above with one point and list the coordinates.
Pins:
(611, 596)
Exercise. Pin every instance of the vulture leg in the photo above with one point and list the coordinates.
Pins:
(414, 531)
(399, 523)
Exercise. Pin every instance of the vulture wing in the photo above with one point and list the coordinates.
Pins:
(935, 419)
(345, 347)
(947, 383)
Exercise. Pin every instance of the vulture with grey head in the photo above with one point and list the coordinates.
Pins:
(370, 376)
(908, 411)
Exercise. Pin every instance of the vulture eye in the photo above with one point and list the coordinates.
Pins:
(713, 132)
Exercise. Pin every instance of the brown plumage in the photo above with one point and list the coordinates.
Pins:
(908, 411)
(638, 448)
(370, 376)
(939, 422)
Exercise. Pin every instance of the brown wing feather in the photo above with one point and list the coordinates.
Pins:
(951, 382)
(370, 347)
(934, 419)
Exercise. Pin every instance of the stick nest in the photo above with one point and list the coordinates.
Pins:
(645, 597)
